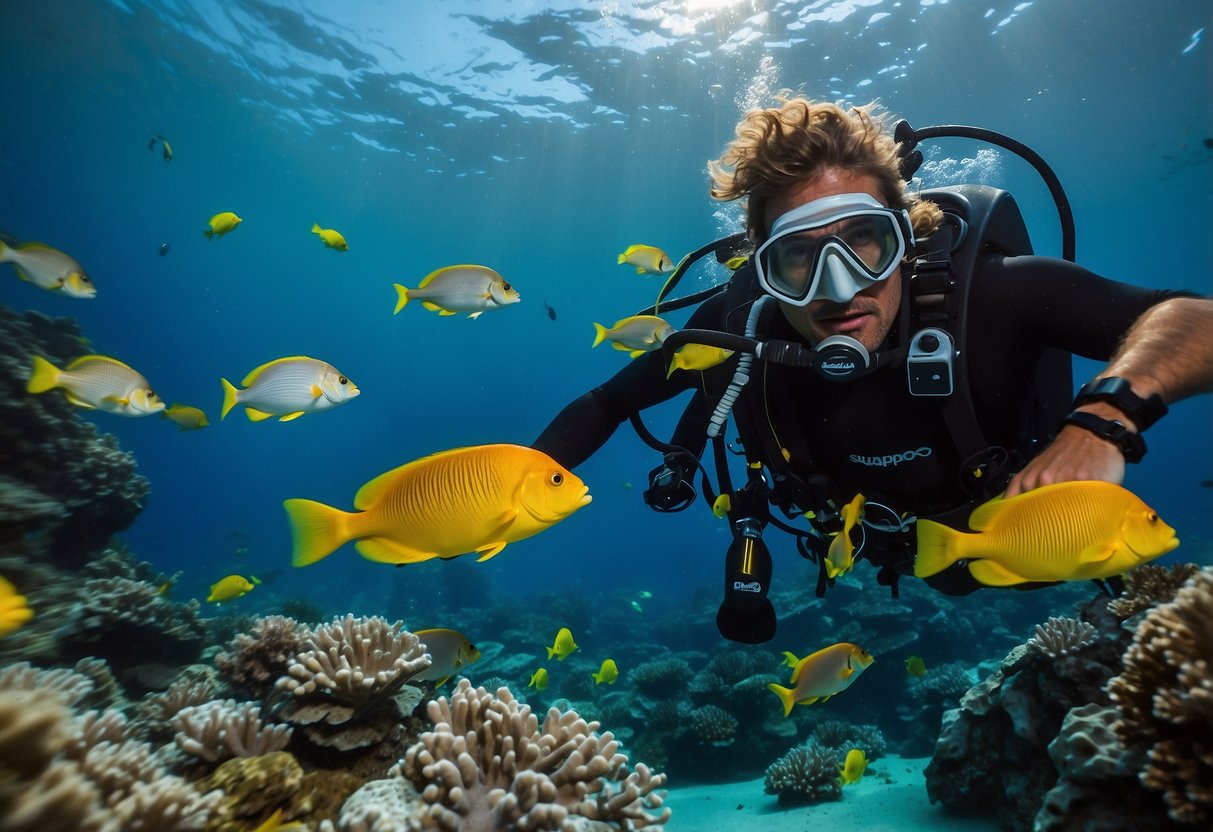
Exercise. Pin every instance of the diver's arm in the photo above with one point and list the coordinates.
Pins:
(1153, 362)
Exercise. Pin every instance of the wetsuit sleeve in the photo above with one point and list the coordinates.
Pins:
(1063, 305)
(586, 423)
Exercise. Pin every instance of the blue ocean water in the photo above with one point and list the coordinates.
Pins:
(540, 139)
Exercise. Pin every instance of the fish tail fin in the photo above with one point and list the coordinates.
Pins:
(402, 297)
(551, 652)
(4, 251)
(786, 696)
(229, 398)
(600, 334)
(45, 376)
(209, 233)
(937, 548)
(315, 228)
(317, 530)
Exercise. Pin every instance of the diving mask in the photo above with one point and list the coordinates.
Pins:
(832, 249)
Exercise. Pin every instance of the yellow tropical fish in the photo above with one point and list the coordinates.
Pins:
(464, 288)
(231, 587)
(274, 824)
(97, 381)
(539, 679)
(697, 357)
(851, 771)
(646, 259)
(14, 610)
(449, 651)
(1068, 531)
(48, 268)
(635, 335)
(563, 646)
(189, 418)
(840, 558)
(608, 673)
(915, 666)
(825, 673)
(331, 237)
(222, 223)
(288, 388)
(475, 499)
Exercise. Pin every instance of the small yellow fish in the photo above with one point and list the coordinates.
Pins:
(697, 357)
(222, 223)
(840, 558)
(823, 674)
(274, 824)
(229, 588)
(539, 679)
(646, 259)
(189, 418)
(331, 237)
(97, 382)
(288, 388)
(463, 288)
(14, 609)
(608, 673)
(915, 666)
(635, 335)
(853, 767)
(449, 651)
(474, 499)
(563, 646)
(48, 268)
(1068, 531)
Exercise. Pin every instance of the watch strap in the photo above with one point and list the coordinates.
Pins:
(1131, 445)
(1119, 393)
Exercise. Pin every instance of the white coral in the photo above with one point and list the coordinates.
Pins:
(226, 728)
(1059, 637)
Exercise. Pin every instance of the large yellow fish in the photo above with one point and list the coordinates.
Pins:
(475, 499)
(563, 645)
(331, 237)
(222, 223)
(188, 418)
(97, 381)
(1068, 531)
(450, 652)
(288, 388)
(829, 671)
(634, 335)
(464, 288)
(48, 268)
(697, 357)
(646, 259)
(14, 610)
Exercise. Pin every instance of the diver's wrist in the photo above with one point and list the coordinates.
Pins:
(1132, 447)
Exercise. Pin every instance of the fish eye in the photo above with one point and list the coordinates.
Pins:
(342, 380)
(505, 286)
(1152, 517)
(556, 478)
(84, 279)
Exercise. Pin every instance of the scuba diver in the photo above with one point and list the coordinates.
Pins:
(906, 347)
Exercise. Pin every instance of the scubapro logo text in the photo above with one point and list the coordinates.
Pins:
(752, 586)
(891, 459)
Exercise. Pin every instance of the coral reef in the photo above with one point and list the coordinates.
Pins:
(226, 728)
(78, 484)
(257, 659)
(659, 678)
(807, 773)
(1165, 697)
(713, 725)
(488, 764)
(1150, 585)
(1059, 637)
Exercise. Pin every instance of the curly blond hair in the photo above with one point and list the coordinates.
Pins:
(780, 146)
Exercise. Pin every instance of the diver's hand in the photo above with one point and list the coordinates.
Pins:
(1075, 454)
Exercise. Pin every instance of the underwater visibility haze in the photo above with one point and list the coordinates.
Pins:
(364, 144)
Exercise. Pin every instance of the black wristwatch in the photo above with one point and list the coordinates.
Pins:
(1118, 393)
(1131, 445)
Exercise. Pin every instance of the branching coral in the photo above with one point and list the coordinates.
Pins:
(489, 765)
(225, 728)
(1059, 637)
(1165, 696)
(129, 622)
(255, 660)
(714, 725)
(1149, 585)
(806, 773)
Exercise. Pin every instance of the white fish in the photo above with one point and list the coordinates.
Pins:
(289, 387)
(100, 382)
(48, 268)
(453, 289)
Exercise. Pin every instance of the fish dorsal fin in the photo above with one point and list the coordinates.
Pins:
(76, 362)
(371, 492)
(256, 374)
(432, 276)
(986, 514)
(36, 246)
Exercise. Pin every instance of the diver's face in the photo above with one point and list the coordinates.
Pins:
(869, 315)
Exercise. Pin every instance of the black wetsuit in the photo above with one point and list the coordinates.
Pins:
(870, 435)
